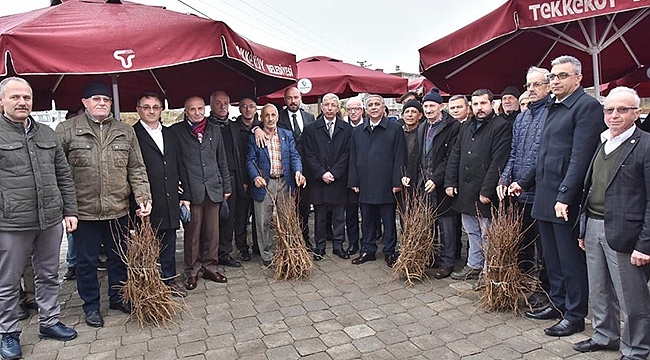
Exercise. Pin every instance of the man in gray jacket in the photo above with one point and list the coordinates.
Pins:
(37, 194)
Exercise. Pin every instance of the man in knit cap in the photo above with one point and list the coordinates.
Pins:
(510, 103)
(435, 138)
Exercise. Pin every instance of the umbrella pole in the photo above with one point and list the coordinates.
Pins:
(116, 97)
(595, 66)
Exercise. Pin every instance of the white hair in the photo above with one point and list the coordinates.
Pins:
(624, 90)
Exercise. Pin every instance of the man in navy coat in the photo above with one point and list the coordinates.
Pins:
(569, 139)
(377, 160)
(327, 153)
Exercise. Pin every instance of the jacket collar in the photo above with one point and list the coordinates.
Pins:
(571, 99)
(382, 123)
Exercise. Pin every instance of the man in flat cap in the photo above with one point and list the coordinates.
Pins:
(107, 166)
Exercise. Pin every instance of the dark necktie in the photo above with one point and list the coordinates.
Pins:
(296, 127)
(329, 128)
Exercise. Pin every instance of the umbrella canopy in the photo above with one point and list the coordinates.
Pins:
(495, 51)
(320, 75)
(143, 48)
(422, 85)
(638, 80)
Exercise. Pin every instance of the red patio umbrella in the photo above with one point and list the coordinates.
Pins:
(422, 85)
(639, 80)
(495, 51)
(144, 48)
(320, 75)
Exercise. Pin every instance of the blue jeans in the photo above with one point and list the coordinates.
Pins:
(71, 256)
(88, 240)
(476, 229)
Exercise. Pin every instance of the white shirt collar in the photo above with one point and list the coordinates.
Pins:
(611, 143)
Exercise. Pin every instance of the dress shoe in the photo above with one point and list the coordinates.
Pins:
(468, 273)
(443, 272)
(228, 261)
(625, 357)
(190, 282)
(341, 253)
(589, 345)
(352, 249)
(23, 312)
(121, 306)
(318, 254)
(266, 263)
(245, 256)
(364, 257)
(546, 313)
(176, 289)
(10, 348)
(538, 299)
(71, 274)
(214, 276)
(565, 328)
(58, 332)
(390, 259)
(94, 318)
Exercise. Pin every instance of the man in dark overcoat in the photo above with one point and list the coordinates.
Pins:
(327, 154)
(472, 174)
(377, 160)
(569, 139)
(161, 154)
(436, 137)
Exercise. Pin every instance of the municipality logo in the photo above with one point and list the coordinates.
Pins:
(125, 57)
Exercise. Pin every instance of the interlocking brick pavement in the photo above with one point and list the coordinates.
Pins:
(342, 312)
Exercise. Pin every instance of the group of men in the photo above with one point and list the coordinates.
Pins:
(586, 202)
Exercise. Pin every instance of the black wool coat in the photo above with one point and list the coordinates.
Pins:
(377, 161)
(433, 164)
(322, 154)
(476, 161)
(164, 172)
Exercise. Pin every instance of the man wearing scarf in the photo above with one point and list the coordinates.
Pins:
(208, 185)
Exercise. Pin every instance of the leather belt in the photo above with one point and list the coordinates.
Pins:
(276, 177)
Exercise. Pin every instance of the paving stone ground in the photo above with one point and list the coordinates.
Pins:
(342, 312)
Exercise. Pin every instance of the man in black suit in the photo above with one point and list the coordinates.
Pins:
(569, 138)
(377, 160)
(161, 155)
(614, 220)
(294, 119)
(327, 153)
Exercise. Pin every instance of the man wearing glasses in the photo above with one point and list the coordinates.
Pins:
(614, 222)
(161, 153)
(107, 166)
(569, 139)
(354, 108)
(526, 134)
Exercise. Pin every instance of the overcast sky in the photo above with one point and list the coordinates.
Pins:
(383, 33)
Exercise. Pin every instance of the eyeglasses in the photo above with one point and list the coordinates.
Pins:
(621, 110)
(249, 106)
(538, 83)
(561, 76)
(98, 98)
(149, 108)
(354, 109)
